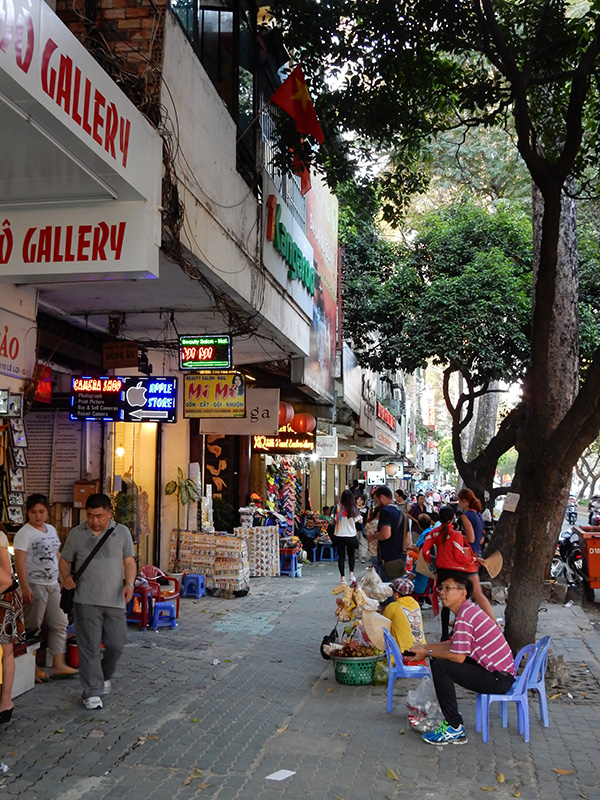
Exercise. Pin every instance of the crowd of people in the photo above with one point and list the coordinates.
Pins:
(448, 531)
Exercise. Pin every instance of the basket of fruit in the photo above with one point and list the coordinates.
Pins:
(354, 665)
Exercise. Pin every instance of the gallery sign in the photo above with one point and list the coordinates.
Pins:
(130, 399)
(214, 394)
(327, 447)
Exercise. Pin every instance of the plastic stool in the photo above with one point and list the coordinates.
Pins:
(331, 553)
(288, 565)
(143, 616)
(164, 614)
(193, 586)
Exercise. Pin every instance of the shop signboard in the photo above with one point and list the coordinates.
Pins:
(368, 400)
(376, 478)
(262, 416)
(17, 345)
(121, 354)
(386, 439)
(205, 352)
(130, 399)
(327, 447)
(286, 441)
(345, 458)
(214, 394)
(351, 373)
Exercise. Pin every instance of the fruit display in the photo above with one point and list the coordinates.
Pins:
(355, 650)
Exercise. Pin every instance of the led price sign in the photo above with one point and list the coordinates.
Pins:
(128, 399)
(205, 352)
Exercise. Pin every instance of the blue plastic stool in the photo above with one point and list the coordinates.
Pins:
(331, 553)
(288, 565)
(164, 614)
(193, 586)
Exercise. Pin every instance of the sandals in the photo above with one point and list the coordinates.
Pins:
(40, 676)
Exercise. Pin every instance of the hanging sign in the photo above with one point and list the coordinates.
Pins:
(205, 352)
(286, 441)
(327, 447)
(262, 416)
(131, 399)
(116, 355)
(214, 394)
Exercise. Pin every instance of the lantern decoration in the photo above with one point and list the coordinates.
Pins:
(303, 423)
(286, 414)
(391, 470)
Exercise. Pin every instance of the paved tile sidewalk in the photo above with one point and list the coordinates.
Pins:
(178, 726)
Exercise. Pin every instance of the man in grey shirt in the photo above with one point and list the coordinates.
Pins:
(101, 595)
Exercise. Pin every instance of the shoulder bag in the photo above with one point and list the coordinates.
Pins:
(67, 595)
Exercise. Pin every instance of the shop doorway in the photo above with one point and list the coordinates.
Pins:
(132, 456)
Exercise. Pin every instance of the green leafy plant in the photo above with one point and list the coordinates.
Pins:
(186, 491)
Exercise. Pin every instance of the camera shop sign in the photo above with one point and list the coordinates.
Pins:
(128, 399)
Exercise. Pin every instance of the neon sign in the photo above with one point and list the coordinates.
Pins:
(131, 399)
(205, 352)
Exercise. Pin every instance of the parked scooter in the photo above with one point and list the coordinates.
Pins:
(568, 559)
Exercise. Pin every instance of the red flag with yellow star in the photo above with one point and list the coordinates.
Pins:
(293, 97)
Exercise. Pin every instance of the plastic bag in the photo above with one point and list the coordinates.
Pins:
(424, 712)
(374, 587)
(381, 673)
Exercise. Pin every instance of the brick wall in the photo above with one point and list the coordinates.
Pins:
(126, 37)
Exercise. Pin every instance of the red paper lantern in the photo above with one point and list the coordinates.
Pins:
(286, 414)
(303, 423)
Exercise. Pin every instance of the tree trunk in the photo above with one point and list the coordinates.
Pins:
(543, 476)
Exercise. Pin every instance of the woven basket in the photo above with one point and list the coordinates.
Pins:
(355, 671)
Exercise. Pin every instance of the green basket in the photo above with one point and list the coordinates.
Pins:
(355, 671)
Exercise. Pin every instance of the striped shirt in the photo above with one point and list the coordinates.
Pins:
(475, 635)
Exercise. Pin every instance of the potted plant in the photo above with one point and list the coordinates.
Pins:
(186, 491)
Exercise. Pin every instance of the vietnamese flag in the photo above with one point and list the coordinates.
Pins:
(293, 97)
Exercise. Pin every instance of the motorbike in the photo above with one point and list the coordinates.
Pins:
(571, 515)
(568, 559)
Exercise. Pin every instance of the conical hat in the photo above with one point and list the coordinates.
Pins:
(493, 563)
(374, 623)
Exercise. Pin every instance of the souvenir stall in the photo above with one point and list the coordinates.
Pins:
(222, 558)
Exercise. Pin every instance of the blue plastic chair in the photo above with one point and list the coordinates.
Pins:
(537, 680)
(397, 668)
(516, 694)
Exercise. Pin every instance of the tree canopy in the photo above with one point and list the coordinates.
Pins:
(399, 72)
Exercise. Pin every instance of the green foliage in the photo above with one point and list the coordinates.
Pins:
(185, 489)
(459, 295)
(507, 462)
(446, 457)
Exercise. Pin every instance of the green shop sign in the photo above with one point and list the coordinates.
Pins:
(299, 267)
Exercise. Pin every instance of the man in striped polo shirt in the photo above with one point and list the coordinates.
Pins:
(477, 657)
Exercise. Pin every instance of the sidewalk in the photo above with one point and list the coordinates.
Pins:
(177, 726)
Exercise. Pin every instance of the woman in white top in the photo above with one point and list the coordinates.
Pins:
(345, 539)
(36, 558)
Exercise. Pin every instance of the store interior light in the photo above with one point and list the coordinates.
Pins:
(314, 457)
(120, 451)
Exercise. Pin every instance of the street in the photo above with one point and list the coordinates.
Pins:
(178, 725)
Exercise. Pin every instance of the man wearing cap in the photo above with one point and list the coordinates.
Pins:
(477, 657)
(404, 613)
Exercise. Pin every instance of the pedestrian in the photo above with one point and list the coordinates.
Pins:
(12, 628)
(428, 502)
(36, 559)
(344, 537)
(471, 519)
(454, 555)
(400, 499)
(417, 508)
(477, 658)
(101, 595)
(361, 532)
(392, 536)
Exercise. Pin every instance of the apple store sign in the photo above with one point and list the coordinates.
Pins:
(130, 399)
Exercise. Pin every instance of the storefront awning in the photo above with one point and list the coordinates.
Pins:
(81, 167)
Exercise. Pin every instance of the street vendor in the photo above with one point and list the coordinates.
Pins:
(405, 615)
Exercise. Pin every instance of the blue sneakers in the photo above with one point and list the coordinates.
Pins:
(446, 734)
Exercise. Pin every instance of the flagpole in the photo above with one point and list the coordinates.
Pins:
(252, 121)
